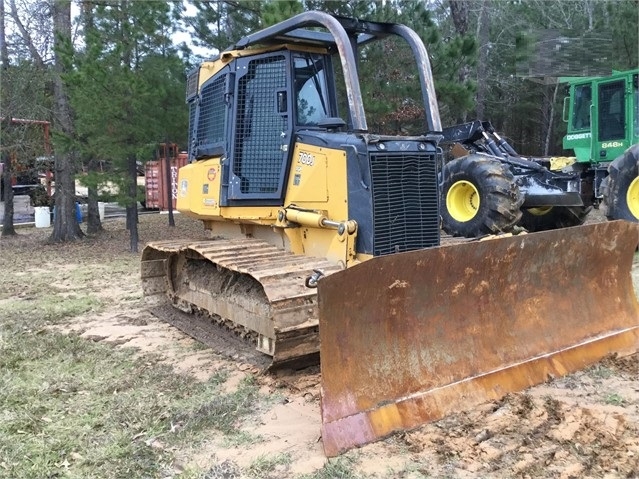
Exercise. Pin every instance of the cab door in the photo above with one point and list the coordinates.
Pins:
(262, 128)
(611, 124)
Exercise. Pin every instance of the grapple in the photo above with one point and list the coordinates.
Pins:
(409, 338)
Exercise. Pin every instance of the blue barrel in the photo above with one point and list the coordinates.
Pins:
(78, 213)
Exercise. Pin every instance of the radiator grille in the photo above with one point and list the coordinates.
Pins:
(405, 210)
(258, 142)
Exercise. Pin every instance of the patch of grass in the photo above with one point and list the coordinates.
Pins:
(600, 371)
(24, 284)
(44, 309)
(73, 408)
(132, 297)
(614, 399)
(266, 467)
(70, 407)
(342, 467)
(223, 412)
(241, 438)
(198, 346)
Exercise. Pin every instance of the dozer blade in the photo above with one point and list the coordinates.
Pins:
(409, 338)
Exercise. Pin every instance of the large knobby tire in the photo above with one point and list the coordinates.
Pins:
(553, 217)
(621, 187)
(479, 197)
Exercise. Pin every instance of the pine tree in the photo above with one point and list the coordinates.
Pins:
(128, 92)
(65, 224)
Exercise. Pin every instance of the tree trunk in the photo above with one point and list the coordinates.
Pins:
(550, 119)
(132, 206)
(8, 228)
(483, 30)
(7, 192)
(459, 14)
(4, 51)
(94, 223)
(65, 224)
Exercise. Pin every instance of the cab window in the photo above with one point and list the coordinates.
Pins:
(311, 95)
(583, 100)
(612, 118)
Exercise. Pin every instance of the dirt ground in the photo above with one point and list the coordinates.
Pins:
(585, 425)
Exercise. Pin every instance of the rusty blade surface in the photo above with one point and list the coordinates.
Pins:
(409, 338)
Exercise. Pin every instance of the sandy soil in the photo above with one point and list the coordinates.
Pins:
(585, 425)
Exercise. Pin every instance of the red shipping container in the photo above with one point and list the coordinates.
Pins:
(155, 179)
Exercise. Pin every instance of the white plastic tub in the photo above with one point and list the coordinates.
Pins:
(42, 217)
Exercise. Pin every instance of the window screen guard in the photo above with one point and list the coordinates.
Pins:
(262, 129)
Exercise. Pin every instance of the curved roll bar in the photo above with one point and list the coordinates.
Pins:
(345, 35)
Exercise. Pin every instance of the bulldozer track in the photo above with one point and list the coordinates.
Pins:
(224, 341)
(247, 285)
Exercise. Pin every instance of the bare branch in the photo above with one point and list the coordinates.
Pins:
(24, 33)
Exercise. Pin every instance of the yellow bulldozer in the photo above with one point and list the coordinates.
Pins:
(325, 238)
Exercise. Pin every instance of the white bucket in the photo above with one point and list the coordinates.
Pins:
(101, 210)
(42, 217)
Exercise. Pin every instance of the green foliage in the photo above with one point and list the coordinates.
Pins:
(275, 11)
(220, 24)
(519, 106)
(356, 9)
(25, 92)
(623, 18)
(127, 87)
(126, 78)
